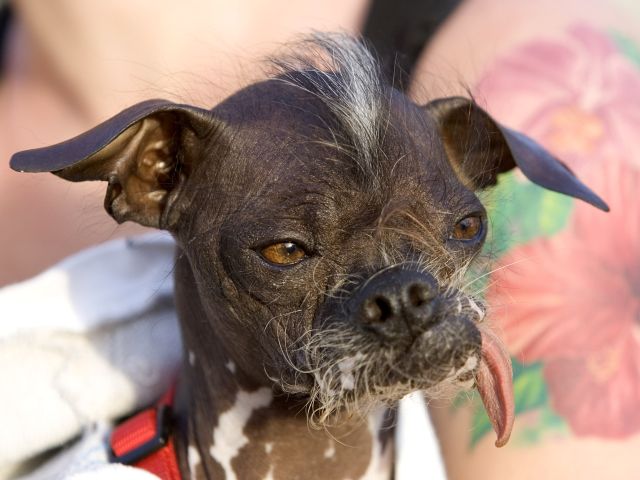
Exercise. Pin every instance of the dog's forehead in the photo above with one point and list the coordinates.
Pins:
(270, 105)
(283, 137)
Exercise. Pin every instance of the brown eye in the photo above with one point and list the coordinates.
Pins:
(283, 253)
(469, 228)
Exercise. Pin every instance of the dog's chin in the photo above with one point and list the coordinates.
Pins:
(448, 352)
(349, 371)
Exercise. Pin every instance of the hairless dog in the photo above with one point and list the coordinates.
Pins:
(324, 223)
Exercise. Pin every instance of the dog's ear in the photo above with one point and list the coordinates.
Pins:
(142, 152)
(479, 148)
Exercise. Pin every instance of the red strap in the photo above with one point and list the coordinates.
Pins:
(140, 441)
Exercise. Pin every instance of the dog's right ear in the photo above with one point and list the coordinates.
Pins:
(142, 152)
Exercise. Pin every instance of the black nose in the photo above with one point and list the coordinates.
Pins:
(395, 300)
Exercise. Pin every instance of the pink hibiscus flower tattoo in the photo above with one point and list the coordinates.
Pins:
(572, 301)
(581, 99)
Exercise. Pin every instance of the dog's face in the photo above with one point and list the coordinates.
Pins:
(327, 221)
(339, 275)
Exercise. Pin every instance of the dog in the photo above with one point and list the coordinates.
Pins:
(324, 223)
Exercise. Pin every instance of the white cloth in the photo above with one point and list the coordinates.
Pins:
(91, 339)
(418, 454)
(86, 459)
(96, 337)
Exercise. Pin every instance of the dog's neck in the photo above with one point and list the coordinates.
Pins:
(233, 432)
(231, 427)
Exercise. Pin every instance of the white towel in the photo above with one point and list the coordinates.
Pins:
(93, 338)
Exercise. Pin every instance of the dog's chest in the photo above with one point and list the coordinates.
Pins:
(254, 439)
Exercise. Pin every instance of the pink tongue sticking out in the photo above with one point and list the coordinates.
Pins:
(495, 385)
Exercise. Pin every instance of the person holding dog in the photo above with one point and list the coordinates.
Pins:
(572, 83)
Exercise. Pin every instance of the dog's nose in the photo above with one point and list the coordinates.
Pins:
(395, 300)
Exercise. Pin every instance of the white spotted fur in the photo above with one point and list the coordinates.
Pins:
(344, 75)
(330, 452)
(228, 436)
(381, 463)
(231, 366)
(193, 458)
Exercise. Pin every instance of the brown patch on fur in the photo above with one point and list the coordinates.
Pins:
(352, 444)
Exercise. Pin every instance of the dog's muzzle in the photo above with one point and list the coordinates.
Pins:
(441, 334)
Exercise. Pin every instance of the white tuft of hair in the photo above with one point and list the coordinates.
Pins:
(341, 71)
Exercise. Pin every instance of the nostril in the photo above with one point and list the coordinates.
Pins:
(386, 311)
(377, 309)
(419, 294)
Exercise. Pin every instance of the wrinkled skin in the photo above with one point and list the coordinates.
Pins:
(350, 225)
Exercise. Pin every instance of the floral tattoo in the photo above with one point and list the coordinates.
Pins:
(566, 287)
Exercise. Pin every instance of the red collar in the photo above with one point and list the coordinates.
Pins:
(144, 441)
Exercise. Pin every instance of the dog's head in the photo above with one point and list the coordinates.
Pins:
(327, 221)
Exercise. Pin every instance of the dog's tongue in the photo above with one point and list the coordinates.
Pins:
(495, 385)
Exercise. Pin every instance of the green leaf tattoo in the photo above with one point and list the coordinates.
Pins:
(537, 213)
(626, 46)
(521, 211)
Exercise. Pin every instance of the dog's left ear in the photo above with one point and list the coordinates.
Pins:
(479, 148)
(142, 152)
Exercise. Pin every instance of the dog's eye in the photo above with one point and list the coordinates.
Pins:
(469, 228)
(283, 253)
